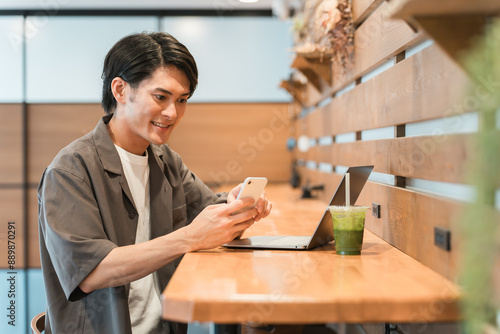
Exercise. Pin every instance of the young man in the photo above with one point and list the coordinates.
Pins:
(117, 207)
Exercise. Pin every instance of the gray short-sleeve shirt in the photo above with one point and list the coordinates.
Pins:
(86, 209)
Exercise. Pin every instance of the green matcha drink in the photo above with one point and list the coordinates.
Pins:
(348, 227)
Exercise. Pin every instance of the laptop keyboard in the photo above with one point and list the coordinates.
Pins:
(289, 241)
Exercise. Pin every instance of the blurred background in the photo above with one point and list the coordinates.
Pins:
(51, 56)
(391, 90)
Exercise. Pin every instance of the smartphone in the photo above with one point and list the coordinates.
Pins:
(252, 187)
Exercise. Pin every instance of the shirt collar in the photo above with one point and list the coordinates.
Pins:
(106, 148)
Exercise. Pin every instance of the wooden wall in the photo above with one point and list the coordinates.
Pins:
(11, 181)
(399, 78)
(224, 143)
(425, 86)
(220, 142)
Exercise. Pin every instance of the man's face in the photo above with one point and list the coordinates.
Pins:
(153, 109)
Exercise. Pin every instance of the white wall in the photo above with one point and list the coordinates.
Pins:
(240, 59)
(65, 55)
(11, 74)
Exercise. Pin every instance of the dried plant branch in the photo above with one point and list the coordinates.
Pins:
(325, 27)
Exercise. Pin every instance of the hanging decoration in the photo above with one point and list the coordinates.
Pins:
(325, 28)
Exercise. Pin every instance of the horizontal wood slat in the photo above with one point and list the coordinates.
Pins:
(425, 86)
(407, 219)
(437, 158)
(378, 39)
(11, 144)
(11, 210)
(317, 123)
(361, 9)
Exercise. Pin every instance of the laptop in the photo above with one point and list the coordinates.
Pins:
(324, 231)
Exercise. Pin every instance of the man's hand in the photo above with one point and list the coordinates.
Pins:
(218, 224)
(263, 206)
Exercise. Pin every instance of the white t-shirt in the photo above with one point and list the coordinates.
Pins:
(144, 300)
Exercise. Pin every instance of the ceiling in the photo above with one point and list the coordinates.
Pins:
(278, 8)
(137, 4)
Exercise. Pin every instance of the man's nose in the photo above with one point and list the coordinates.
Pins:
(170, 111)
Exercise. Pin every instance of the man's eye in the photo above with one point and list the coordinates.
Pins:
(160, 97)
(182, 100)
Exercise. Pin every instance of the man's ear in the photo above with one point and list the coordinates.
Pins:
(118, 89)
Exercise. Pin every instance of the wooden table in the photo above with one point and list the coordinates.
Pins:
(306, 287)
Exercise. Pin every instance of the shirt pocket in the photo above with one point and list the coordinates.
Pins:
(179, 217)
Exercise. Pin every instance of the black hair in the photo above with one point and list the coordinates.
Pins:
(136, 57)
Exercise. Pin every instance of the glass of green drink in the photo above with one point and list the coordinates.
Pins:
(348, 227)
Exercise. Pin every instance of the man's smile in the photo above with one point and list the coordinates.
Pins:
(161, 125)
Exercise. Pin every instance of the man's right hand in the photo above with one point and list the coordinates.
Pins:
(217, 224)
